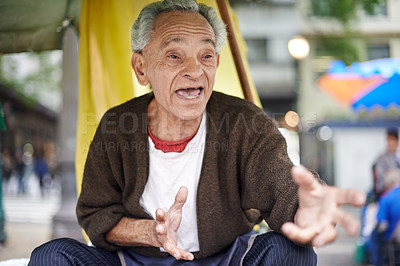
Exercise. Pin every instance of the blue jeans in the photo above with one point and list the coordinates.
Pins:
(377, 248)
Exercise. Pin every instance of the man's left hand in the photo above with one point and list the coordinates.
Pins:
(319, 210)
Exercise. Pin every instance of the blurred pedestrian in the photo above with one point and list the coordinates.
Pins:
(51, 159)
(25, 167)
(389, 205)
(7, 165)
(42, 172)
(387, 160)
(20, 166)
(388, 216)
(371, 237)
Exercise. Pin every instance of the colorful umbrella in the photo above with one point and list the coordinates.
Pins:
(364, 85)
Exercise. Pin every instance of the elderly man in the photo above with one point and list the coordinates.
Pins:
(182, 174)
(386, 235)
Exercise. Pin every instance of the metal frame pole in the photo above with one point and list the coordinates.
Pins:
(223, 6)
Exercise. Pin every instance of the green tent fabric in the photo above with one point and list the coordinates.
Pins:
(36, 25)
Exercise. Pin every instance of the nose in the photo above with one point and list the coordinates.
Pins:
(192, 68)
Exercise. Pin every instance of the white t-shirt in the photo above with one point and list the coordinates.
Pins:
(170, 171)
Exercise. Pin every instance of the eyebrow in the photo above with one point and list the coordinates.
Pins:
(208, 40)
(172, 40)
(181, 40)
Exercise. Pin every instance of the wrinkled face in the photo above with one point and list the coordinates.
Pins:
(180, 63)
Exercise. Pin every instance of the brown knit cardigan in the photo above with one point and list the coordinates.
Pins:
(245, 168)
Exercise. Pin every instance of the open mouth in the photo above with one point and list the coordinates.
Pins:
(189, 93)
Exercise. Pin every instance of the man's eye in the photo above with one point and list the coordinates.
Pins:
(208, 56)
(173, 56)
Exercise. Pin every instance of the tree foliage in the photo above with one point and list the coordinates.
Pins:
(341, 10)
(344, 49)
(346, 12)
(35, 76)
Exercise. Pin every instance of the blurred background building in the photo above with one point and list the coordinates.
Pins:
(267, 26)
(347, 139)
(339, 141)
(27, 122)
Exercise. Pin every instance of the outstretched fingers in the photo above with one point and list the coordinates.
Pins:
(319, 210)
(348, 222)
(297, 234)
(180, 198)
(351, 196)
(168, 224)
(317, 236)
(304, 178)
(327, 235)
(176, 252)
(160, 215)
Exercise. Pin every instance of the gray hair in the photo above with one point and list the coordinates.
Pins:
(391, 177)
(143, 27)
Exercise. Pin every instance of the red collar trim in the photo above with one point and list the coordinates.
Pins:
(170, 146)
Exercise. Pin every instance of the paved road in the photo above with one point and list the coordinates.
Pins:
(28, 219)
(341, 252)
(24, 209)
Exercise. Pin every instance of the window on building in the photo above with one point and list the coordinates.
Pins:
(375, 10)
(376, 51)
(321, 8)
(256, 49)
(345, 10)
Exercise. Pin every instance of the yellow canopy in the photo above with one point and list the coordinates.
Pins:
(105, 75)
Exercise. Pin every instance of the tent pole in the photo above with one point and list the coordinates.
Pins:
(223, 6)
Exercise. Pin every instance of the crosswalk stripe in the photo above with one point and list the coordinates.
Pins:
(31, 209)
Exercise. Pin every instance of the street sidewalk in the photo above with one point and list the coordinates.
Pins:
(341, 252)
(28, 217)
(22, 238)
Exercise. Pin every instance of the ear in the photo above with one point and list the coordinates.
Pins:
(138, 63)
(218, 56)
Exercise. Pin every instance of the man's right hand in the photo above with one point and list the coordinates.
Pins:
(167, 224)
(160, 232)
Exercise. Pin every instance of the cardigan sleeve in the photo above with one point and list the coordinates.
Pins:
(100, 206)
(266, 179)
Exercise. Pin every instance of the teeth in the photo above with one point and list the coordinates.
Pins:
(190, 93)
